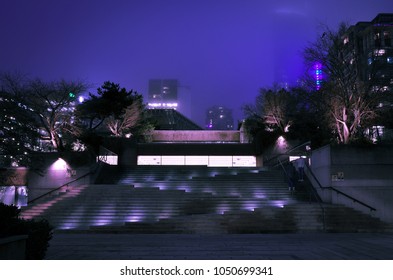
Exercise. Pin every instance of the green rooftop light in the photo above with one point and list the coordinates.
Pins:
(71, 94)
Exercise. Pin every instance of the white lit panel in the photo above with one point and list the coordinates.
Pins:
(220, 161)
(244, 161)
(149, 160)
(197, 160)
(172, 160)
(112, 160)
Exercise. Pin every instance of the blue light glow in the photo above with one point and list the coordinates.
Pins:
(317, 75)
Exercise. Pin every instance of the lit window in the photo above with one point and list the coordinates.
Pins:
(386, 36)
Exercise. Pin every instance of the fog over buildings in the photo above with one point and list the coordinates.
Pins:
(221, 52)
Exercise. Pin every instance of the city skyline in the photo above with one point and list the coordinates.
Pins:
(223, 52)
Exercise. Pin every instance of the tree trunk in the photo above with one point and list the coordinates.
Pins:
(57, 142)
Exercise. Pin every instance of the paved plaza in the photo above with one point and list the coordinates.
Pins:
(301, 246)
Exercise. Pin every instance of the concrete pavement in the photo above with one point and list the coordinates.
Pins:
(300, 246)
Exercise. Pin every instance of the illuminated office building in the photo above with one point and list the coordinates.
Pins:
(163, 94)
(219, 118)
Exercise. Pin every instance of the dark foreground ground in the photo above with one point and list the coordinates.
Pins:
(301, 246)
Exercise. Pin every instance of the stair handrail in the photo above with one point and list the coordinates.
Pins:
(318, 199)
(65, 184)
(339, 192)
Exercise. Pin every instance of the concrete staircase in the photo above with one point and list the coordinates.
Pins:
(193, 200)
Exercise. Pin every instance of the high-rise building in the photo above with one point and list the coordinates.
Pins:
(219, 118)
(370, 45)
(163, 93)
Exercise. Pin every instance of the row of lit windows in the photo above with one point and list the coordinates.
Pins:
(210, 161)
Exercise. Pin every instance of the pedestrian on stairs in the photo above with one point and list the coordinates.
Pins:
(291, 176)
(300, 164)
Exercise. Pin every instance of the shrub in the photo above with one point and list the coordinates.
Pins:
(39, 232)
(8, 216)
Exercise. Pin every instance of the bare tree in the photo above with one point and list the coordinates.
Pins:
(348, 99)
(122, 126)
(53, 105)
(50, 105)
(274, 107)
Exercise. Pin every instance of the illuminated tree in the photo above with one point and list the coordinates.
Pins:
(48, 107)
(53, 105)
(293, 113)
(119, 111)
(273, 107)
(123, 125)
(348, 99)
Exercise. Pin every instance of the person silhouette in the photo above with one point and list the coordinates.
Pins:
(300, 164)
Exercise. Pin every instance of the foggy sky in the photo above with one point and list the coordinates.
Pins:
(221, 51)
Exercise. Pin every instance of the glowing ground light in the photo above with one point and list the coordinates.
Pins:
(184, 188)
(222, 208)
(250, 205)
(279, 203)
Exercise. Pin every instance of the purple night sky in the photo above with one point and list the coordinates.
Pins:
(221, 51)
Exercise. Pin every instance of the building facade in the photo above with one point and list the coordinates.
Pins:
(219, 118)
(370, 44)
(163, 93)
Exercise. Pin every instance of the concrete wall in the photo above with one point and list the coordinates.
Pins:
(125, 148)
(363, 173)
(39, 184)
(56, 171)
(320, 164)
(371, 166)
(195, 149)
(196, 136)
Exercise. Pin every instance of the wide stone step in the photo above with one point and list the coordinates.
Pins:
(192, 200)
(152, 173)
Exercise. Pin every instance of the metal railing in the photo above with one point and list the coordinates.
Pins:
(338, 191)
(65, 184)
(313, 192)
